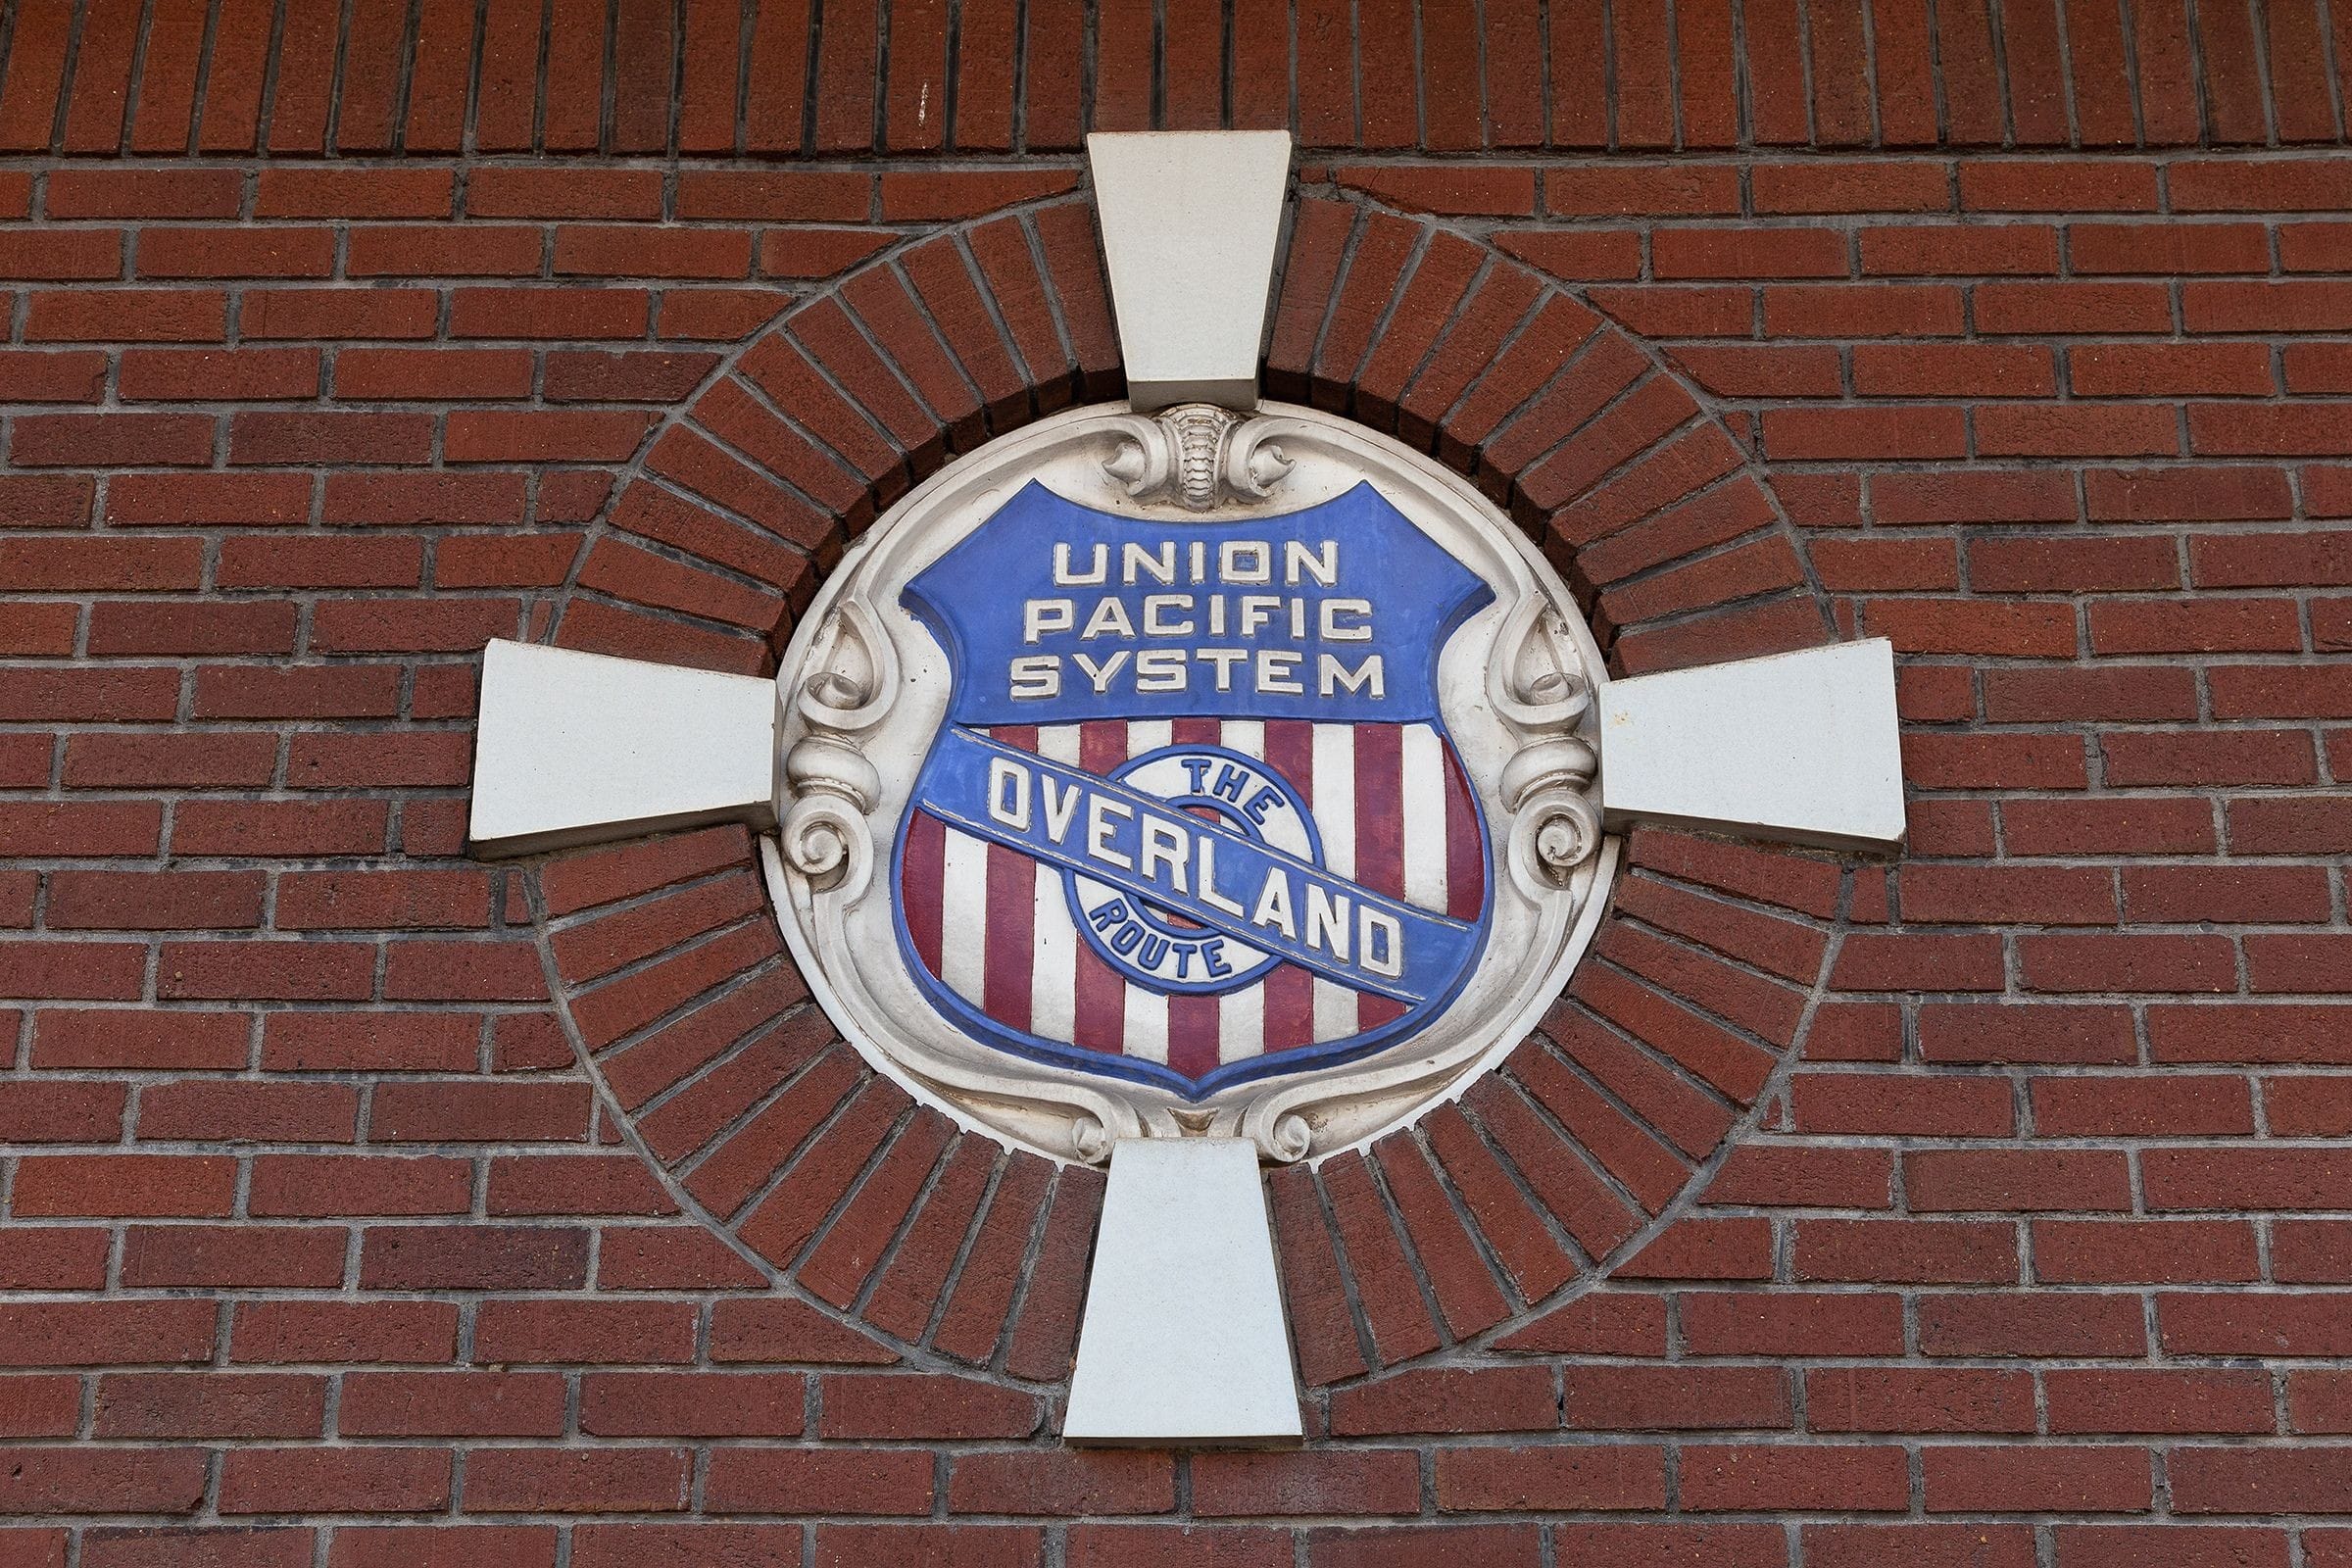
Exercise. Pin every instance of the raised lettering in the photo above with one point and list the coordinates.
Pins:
(1246, 561)
(1009, 793)
(1061, 805)
(1036, 675)
(1327, 921)
(1380, 942)
(1100, 674)
(1100, 810)
(1154, 625)
(1354, 631)
(1274, 906)
(1277, 671)
(1165, 846)
(1110, 619)
(1322, 564)
(1064, 577)
(1134, 557)
(1042, 615)
(1331, 675)
(1159, 669)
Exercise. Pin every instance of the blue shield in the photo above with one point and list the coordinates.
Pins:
(1193, 817)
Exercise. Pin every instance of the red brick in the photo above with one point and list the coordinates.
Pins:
(612, 251)
(887, 1481)
(480, 1111)
(321, 312)
(2153, 1107)
(2261, 1482)
(2131, 1252)
(39, 1407)
(1955, 369)
(2169, 248)
(2233, 185)
(473, 1258)
(767, 1331)
(952, 1546)
(424, 249)
(1974, 894)
(2040, 1480)
(1875, 309)
(1632, 189)
(330, 439)
(2316, 1402)
(1851, 187)
(2032, 1324)
(2173, 370)
(1906, 1251)
(143, 193)
(548, 313)
(1969, 1545)
(526, 192)
(238, 1256)
(1945, 250)
(1179, 1546)
(733, 1404)
(1468, 1400)
(1068, 1483)
(2298, 305)
(2150, 1401)
(2055, 185)
(795, 195)
(442, 1545)
(1898, 1399)
(100, 1481)
(210, 1405)
(869, 1407)
(2046, 430)
(61, 1113)
(335, 1480)
(249, 1113)
(1598, 1399)
(1560, 1477)
(111, 440)
(2016, 1180)
(559, 1332)
(124, 1185)
(2187, 1546)
(417, 375)
(1872, 434)
(2227, 1179)
(1817, 1477)
(1792, 1323)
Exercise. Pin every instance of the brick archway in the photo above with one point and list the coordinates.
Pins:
(1572, 1162)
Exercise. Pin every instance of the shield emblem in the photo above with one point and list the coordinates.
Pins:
(1193, 816)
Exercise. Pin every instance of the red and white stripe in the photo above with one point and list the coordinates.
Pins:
(1390, 803)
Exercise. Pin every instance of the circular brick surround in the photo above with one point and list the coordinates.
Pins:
(760, 1121)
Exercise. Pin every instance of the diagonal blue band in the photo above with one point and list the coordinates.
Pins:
(1225, 881)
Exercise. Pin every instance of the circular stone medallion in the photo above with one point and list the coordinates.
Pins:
(1196, 773)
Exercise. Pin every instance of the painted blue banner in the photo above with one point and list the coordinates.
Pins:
(1056, 614)
(1237, 889)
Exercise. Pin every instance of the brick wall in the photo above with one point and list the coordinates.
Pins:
(362, 1205)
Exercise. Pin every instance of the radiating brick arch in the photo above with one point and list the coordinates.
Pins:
(1569, 1163)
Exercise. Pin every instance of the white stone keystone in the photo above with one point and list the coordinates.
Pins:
(1184, 1340)
(574, 748)
(1801, 746)
(1190, 223)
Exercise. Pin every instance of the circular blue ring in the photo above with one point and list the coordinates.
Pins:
(1158, 923)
